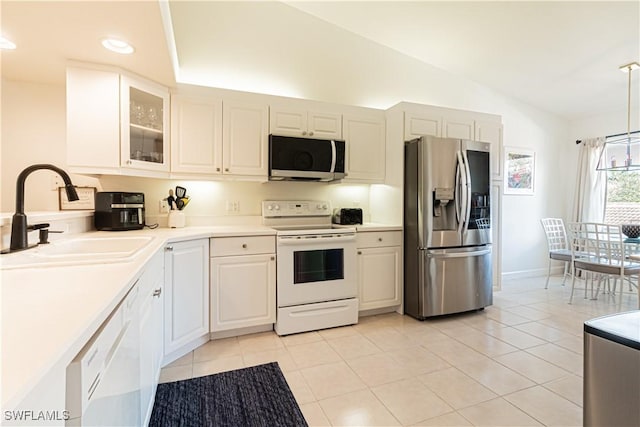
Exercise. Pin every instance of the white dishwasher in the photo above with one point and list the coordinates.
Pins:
(103, 381)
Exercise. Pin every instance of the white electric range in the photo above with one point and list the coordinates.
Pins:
(316, 271)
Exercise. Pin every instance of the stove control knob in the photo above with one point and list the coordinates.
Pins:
(270, 207)
(277, 207)
(324, 207)
(318, 206)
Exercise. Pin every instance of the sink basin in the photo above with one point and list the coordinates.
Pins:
(113, 247)
(77, 251)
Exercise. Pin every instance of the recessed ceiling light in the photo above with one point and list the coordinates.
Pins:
(117, 46)
(6, 43)
(629, 67)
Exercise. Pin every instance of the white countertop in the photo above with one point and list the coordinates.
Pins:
(49, 313)
(371, 226)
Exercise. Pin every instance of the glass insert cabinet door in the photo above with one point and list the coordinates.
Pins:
(144, 116)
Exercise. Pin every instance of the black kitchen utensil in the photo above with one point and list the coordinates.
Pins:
(180, 192)
(180, 203)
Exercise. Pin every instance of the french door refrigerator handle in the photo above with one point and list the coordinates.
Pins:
(467, 214)
(461, 195)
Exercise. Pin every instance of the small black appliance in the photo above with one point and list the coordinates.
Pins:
(119, 211)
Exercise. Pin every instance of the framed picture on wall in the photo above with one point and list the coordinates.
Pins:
(519, 171)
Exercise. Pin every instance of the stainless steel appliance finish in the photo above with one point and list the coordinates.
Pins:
(316, 270)
(611, 390)
(305, 159)
(447, 233)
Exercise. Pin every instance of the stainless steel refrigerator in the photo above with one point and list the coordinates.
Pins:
(447, 227)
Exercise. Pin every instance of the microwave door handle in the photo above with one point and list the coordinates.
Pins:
(333, 156)
(140, 216)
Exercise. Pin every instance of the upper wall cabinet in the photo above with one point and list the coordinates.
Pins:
(196, 135)
(365, 147)
(116, 123)
(417, 125)
(212, 137)
(245, 139)
(302, 122)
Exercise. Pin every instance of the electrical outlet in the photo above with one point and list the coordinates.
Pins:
(233, 206)
(163, 206)
(356, 203)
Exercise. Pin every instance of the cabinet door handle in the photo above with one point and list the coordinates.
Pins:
(169, 248)
(157, 292)
(311, 133)
(273, 258)
(304, 132)
(379, 239)
(359, 252)
(217, 169)
(226, 169)
(244, 246)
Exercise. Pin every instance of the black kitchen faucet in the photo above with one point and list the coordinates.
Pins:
(19, 227)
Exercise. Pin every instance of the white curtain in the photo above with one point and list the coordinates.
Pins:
(591, 185)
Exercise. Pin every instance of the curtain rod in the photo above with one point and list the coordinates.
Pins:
(578, 141)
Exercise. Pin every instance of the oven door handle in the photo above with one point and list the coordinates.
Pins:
(309, 241)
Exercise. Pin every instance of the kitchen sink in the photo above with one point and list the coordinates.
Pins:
(118, 247)
(78, 250)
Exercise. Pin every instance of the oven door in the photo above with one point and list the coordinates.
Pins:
(316, 268)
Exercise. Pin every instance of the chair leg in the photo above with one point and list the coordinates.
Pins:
(573, 286)
(566, 272)
(546, 285)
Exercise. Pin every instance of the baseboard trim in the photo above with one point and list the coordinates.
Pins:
(537, 272)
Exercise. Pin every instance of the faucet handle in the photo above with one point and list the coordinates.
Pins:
(37, 226)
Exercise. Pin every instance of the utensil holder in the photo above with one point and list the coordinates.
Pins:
(177, 219)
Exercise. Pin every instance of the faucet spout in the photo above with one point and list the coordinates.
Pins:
(19, 239)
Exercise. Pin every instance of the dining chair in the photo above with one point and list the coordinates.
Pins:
(599, 249)
(557, 244)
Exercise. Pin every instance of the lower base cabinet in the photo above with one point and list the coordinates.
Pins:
(243, 282)
(379, 269)
(186, 299)
(151, 333)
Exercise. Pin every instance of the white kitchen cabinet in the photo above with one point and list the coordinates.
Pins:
(379, 269)
(365, 138)
(144, 116)
(186, 297)
(196, 135)
(245, 139)
(301, 122)
(491, 132)
(243, 282)
(421, 124)
(438, 123)
(116, 123)
(151, 332)
(458, 126)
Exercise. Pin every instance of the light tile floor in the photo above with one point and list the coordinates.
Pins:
(516, 363)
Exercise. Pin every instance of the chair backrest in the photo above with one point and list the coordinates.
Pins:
(556, 233)
(601, 243)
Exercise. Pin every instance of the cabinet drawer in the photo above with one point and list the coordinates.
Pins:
(229, 246)
(372, 239)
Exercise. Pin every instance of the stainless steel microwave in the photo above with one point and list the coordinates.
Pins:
(305, 159)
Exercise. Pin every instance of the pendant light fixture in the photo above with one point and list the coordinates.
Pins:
(622, 152)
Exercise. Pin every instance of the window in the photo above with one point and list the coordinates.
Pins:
(623, 197)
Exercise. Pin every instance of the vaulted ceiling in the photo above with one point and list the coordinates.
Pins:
(562, 57)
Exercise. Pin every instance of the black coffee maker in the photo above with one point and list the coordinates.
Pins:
(119, 211)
